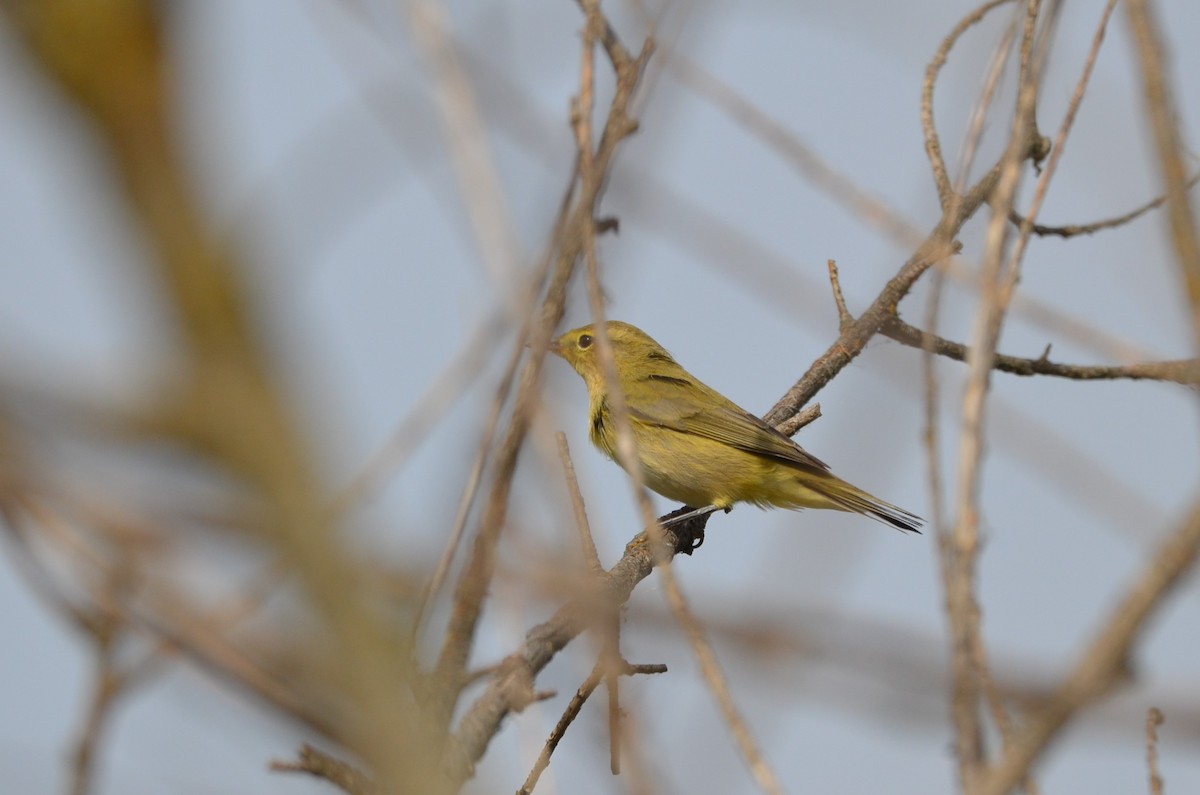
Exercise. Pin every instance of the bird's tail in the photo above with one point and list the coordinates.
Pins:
(851, 498)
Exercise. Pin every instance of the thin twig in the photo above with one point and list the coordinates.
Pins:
(572, 712)
(1073, 230)
(1179, 371)
(475, 579)
(1154, 719)
(586, 542)
(932, 436)
(560, 729)
(845, 319)
(595, 25)
(611, 659)
(933, 147)
(1059, 146)
(982, 106)
(610, 653)
(763, 774)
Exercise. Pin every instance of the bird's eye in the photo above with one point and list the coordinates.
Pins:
(585, 341)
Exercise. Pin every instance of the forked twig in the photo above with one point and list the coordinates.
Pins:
(572, 712)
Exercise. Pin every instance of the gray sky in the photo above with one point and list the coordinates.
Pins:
(317, 143)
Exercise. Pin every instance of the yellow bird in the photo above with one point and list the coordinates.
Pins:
(697, 446)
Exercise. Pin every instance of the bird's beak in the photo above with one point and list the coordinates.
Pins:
(552, 347)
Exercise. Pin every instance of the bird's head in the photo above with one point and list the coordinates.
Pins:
(633, 349)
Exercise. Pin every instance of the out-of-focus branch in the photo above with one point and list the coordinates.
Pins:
(828, 653)
(478, 178)
(342, 775)
(111, 60)
(775, 135)
(1160, 106)
(627, 454)
(1104, 663)
(158, 612)
(107, 685)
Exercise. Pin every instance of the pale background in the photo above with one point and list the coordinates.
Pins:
(316, 142)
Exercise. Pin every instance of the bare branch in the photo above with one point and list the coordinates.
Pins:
(1179, 371)
(544, 641)
(1074, 230)
(933, 147)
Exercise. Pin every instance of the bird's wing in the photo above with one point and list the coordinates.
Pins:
(713, 416)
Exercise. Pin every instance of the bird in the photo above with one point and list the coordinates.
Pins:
(697, 446)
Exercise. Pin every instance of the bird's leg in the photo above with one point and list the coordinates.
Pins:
(689, 523)
(692, 514)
